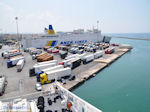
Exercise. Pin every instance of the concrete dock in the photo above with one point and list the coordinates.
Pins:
(91, 72)
(82, 73)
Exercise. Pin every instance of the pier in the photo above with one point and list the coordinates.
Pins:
(101, 63)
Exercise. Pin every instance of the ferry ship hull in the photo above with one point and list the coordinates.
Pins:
(54, 40)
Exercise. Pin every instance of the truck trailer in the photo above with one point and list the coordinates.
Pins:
(6, 54)
(12, 62)
(20, 65)
(3, 83)
(88, 58)
(65, 62)
(51, 76)
(98, 54)
(74, 63)
(14, 54)
(38, 68)
(47, 70)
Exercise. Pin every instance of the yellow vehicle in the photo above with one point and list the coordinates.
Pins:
(44, 79)
(50, 76)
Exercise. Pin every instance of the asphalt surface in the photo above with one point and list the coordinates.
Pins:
(19, 83)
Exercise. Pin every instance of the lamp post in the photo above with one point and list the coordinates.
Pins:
(16, 18)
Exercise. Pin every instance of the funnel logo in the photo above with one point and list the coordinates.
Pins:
(52, 43)
(51, 30)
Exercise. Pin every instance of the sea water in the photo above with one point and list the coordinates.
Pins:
(123, 86)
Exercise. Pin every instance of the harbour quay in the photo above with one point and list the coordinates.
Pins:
(98, 65)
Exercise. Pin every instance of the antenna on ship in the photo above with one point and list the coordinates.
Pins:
(97, 25)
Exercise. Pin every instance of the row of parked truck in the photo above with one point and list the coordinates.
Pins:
(49, 71)
(74, 49)
(15, 58)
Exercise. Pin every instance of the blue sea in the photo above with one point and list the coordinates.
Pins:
(123, 86)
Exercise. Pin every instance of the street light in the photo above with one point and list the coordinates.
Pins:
(16, 18)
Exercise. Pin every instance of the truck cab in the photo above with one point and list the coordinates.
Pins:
(44, 79)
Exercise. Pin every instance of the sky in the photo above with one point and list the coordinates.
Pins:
(114, 16)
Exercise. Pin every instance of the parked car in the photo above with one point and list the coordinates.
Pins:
(38, 87)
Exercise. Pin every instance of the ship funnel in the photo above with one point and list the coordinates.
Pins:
(51, 30)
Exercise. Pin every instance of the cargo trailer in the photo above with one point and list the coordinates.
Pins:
(98, 54)
(7, 54)
(3, 83)
(38, 68)
(65, 62)
(51, 76)
(74, 63)
(88, 58)
(14, 61)
(14, 54)
(52, 68)
(20, 65)
(47, 70)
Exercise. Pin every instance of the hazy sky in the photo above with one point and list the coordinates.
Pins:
(114, 16)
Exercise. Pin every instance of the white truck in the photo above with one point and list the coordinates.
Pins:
(20, 65)
(47, 70)
(98, 54)
(55, 74)
(74, 63)
(14, 61)
(65, 62)
(3, 83)
(88, 58)
(38, 68)
(72, 56)
(81, 56)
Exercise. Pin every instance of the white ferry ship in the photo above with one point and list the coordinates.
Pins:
(53, 39)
